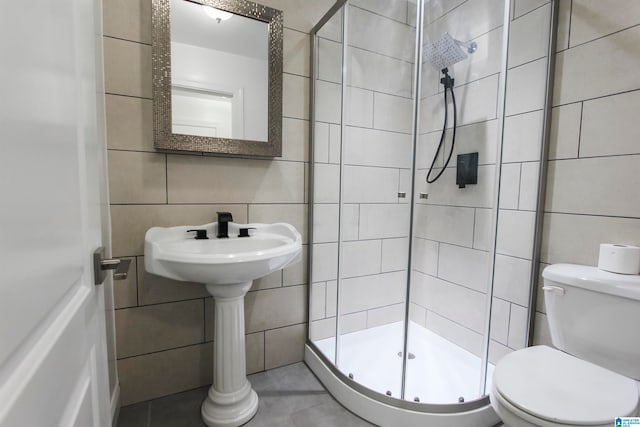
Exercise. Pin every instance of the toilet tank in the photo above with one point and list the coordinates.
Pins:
(595, 315)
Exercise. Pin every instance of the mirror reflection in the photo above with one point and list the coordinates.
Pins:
(219, 73)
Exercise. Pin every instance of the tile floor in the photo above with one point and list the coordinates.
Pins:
(290, 396)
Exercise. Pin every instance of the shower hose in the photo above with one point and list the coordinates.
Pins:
(447, 81)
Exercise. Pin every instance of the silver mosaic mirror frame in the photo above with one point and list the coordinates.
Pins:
(164, 138)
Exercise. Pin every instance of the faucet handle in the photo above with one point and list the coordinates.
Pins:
(224, 216)
(200, 234)
(244, 232)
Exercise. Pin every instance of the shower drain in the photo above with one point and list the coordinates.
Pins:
(411, 355)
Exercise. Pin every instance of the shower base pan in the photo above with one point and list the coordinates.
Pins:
(438, 374)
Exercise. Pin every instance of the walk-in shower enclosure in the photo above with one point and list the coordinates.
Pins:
(417, 289)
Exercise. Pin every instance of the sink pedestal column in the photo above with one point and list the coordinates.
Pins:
(231, 401)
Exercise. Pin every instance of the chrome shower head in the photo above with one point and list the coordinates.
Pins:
(446, 51)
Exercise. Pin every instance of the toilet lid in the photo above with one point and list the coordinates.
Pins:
(560, 388)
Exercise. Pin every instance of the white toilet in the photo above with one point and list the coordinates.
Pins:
(592, 377)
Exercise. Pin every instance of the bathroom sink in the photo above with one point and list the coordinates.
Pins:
(227, 266)
(176, 254)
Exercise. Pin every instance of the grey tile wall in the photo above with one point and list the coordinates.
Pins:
(165, 326)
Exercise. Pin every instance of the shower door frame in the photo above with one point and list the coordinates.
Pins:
(426, 407)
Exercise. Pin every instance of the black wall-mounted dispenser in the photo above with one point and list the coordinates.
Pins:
(467, 170)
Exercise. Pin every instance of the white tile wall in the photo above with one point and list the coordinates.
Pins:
(527, 41)
(593, 19)
(464, 266)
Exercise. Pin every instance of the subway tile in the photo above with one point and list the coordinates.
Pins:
(320, 142)
(182, 369)
(325, 223)
(370, 185)
(584, 72)
(130, 222)
(541, 332)
(136, 177)
(126, 19)
(379, 73)
(497, 351)
(529, 36)
(322, 329)
(360, 258)
(526, 87)
(592, 19)
(125, 292)
(564, 21)
(331, 298)
(482, 229)
(324, 262)
(446, 224)
(522, 7)
(326, 183)
(295, 140)
(529, 186)
(352, 322)
(198, 179)
(359, 107)
(392, 113)
(350, 228)
(317, 292)
(384, 221)
(610, 126)
(515, 233)
(576, 238)
(127, 68)
(154, 289)
(275, 308)
(500, 311)
(565, 131)
(479, 195)
(335, 143)
(456, 303)
(296, 274)
(395, 254)
(364, 293)
(575, 186)
(518, 323)
(464, 266)
(296, 52)
(437, 9)
(512, 280)
(295, 215)
(329, 60)
(481, 137)
(295, 96)
(129, 123)
(417, 314)
(377, 33)
(510, 185)
(470, 20)
(522, 140)
(370, 147)
(273, 280)
(393, 9)
(254, 352)
(327, 102)
(159, 327)
(457, 334)
(284, 346)
(425, 256)
(385, 315)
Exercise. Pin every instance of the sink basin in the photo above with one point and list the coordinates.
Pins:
(174, 253)
(227, 267)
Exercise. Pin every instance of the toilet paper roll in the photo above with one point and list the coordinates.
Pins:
(621, 259)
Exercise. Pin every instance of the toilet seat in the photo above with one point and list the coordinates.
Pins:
(544, 386)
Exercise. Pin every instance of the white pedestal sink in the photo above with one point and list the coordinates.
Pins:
(227, 266)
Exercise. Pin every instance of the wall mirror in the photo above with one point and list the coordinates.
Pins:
(217, 77)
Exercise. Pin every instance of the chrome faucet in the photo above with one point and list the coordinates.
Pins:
(223, 224)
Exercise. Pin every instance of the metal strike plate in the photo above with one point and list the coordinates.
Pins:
(424, 196)
(402, 194)
(101, 265)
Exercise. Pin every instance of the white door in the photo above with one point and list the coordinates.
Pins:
(53, 357)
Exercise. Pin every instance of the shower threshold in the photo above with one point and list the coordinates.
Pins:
(441, 372)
